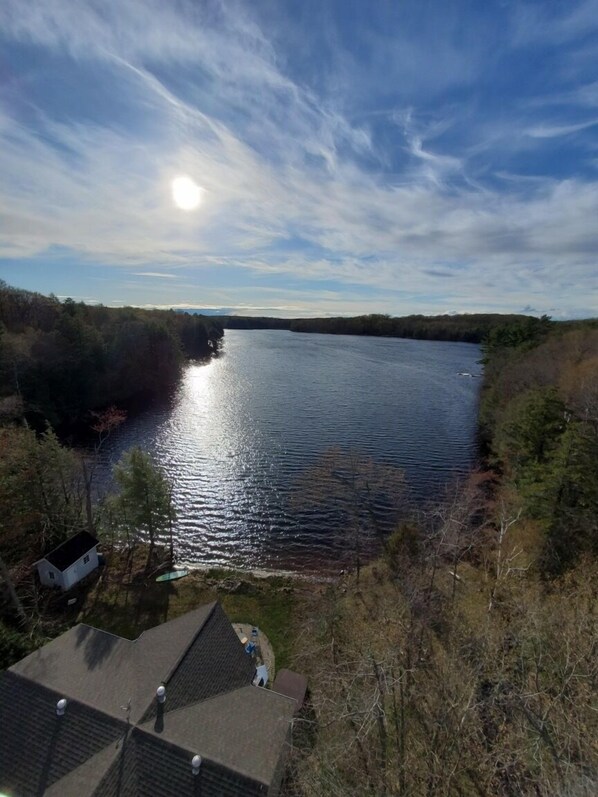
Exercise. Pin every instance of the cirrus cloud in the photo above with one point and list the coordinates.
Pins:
(308, 189)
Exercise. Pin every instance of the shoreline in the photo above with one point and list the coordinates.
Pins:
(260, 572)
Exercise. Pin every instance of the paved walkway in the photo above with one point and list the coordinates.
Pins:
(265, 653)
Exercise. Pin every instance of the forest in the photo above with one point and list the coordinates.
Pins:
(61, 360)
(469, 328)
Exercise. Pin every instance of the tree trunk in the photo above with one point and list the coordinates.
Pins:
(88, 478)
(14, 598)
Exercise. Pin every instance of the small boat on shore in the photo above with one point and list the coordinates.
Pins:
(173, 575)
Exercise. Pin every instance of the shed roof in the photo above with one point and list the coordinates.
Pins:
(292, 684)
(68, 552)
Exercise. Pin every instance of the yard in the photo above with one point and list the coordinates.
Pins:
(125, 602)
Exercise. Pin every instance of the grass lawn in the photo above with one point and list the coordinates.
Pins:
(124, 602)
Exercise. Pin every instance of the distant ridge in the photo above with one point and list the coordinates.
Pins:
(470, 328)
(464, 327)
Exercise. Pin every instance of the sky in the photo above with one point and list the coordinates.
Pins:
(348, 156)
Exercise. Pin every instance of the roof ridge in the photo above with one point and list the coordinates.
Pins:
(177, 664)
(220, 695)
(100, 630)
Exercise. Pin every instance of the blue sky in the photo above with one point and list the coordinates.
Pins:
(354, 156)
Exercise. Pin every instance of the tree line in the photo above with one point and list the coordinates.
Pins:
(469, 328)
(60, 360)
(466, 327)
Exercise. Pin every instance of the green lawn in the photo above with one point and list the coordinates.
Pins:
(126, 605)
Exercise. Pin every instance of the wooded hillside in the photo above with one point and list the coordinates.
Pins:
(59, 360)
(471, 328)
(539, 418)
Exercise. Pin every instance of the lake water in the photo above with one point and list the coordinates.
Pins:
(243, 431)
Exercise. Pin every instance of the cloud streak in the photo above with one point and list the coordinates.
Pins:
(553, 131)
(158, 274)
(409, 207)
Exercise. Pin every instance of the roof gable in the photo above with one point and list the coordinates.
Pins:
(214, 663)
(71, 550)
(160, 650)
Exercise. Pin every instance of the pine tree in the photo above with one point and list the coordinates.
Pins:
(143, 508)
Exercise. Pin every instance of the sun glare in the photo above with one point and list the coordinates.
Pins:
(186, 193)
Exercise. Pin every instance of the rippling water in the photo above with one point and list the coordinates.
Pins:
(243, 429)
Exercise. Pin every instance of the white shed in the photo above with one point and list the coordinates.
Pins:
(69, 562)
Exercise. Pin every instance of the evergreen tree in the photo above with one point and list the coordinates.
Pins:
(143, 508)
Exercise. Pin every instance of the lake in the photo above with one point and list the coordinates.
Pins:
(243, 431)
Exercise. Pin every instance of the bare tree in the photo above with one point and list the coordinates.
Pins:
(366, 495)
(506, 555)
(104, 423)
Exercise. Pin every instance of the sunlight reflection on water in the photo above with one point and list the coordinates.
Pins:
(242, 430)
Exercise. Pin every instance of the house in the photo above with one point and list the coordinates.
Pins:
(172, 713)
(69, 562)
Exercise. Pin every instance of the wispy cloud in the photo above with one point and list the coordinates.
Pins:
(161, 275)
(365, 180)
(553, 131)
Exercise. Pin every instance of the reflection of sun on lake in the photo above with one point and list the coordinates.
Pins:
(198, 383)
(186, 193)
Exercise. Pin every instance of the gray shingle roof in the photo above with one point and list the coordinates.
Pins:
(148, 766)
(86, 664)
(243, 730)
(215, 662)
(106, 671)
(38, 748)
(83, 780)
(100, 748)
(159, 650)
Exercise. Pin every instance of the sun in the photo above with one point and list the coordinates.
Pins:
(186, 193)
